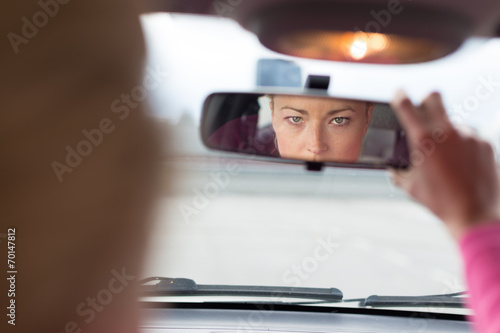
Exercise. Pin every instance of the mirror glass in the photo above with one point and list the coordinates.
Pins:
(304, 127)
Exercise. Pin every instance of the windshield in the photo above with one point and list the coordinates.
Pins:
(229, 220)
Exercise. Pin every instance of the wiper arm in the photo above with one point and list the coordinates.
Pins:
(188, 287)
(444, 300)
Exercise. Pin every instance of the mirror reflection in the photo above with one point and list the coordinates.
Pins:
(319, 129)
(308, 128)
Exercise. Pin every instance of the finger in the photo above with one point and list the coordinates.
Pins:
(435, 112)
(409, 117)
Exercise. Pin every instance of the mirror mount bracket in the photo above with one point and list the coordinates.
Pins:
(321, 82)
(314, 166)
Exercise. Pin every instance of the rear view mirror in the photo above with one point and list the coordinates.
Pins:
(312, 128)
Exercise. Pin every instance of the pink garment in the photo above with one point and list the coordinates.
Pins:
(481, 253)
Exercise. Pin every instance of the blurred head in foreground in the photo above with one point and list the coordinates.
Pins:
(78, 163)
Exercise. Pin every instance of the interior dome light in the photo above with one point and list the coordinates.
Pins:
(399, 33)
(360, 47)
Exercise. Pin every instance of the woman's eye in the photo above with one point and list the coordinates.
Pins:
(339, 120)
(295, 120)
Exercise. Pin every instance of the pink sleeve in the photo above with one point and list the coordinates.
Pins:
(481, 253)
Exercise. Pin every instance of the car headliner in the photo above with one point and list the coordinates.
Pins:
(483, 14)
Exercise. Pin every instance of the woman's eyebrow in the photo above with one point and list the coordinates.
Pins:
(347, 108)
(329, 113)
(294, 109)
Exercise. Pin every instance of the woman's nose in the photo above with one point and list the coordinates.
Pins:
(316, 143)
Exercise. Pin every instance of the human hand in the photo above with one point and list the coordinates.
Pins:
(452, 173)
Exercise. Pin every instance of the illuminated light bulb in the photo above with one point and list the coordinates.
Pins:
(358, 47)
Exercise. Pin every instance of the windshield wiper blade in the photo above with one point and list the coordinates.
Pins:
(188, 287)
(444, 300)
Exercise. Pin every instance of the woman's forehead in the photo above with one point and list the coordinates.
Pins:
(294, 100)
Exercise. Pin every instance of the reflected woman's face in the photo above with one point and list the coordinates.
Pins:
(319, 129)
